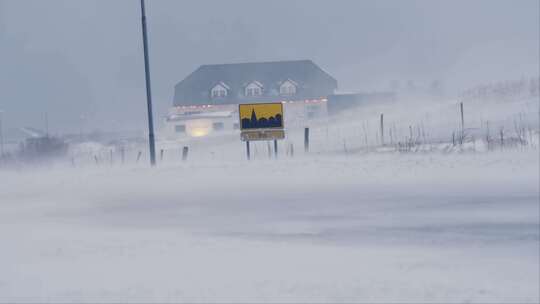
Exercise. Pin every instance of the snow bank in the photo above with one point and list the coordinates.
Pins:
(358, 228)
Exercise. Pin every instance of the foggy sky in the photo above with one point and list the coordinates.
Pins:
(80, 61)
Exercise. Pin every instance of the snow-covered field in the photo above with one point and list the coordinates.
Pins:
(391, 227)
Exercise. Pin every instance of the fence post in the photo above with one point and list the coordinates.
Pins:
(138, 156)
(488, 139)
(292, 150)
(462, 123)
(502, 137)
(382, 129)
(275, 148)
(161, 155)
(306, 140)
(248, 154)
(185, 151)
(462, 116)
(122, 154)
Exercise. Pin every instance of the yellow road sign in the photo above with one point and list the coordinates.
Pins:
(261, 116)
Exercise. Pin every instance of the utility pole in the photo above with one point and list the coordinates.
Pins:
(151, 138)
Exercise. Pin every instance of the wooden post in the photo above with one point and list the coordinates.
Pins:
(487, 136)
(365, 135)
(275, 148)
(382, 129)
(462, 116)
(306, 140)
(122, 154)
(502, 137)
(185, 151)
(462, 137)
(247, 150)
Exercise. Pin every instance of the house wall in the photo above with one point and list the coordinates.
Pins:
(213, 120)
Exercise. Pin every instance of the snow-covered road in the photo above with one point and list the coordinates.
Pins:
(371, 228)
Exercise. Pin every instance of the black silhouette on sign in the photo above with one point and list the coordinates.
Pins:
(262, 123)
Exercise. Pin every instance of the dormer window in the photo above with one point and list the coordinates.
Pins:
(219, 90)
(254, 89)
(288, 87)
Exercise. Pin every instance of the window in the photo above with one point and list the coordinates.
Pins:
(253, 92)
(219, 90)
(287, 88)
(180, 129)
(219, 93)
(254, 89)
(217, 126)
(312, 111)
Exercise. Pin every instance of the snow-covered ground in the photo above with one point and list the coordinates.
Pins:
(459, 227)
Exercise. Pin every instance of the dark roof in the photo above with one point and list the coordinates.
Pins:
(312, 82)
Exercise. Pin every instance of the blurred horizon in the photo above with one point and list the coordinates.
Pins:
(79, 63)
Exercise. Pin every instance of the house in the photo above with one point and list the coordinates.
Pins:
(206, 101)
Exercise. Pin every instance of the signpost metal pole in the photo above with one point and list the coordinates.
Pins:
(247, 150)
(151, 138)
(275, 148)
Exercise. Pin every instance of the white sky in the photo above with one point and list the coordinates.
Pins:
(84, 58)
